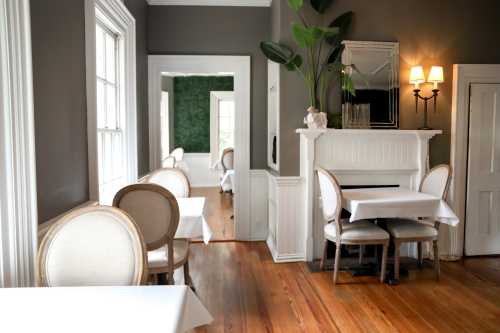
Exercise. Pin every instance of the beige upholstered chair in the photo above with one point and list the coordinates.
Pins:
(436, 183)
(172, 179)
(339, 232)
(92, 246)
(178, 154)
(168, 162)
(156, 212)
(227, 159)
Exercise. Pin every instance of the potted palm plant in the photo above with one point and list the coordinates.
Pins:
(323, 49)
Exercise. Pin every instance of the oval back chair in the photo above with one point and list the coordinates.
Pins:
(168, 162)
(156, 212)
(92, 246)
(172, 179)
(178, 154)
(227, 159)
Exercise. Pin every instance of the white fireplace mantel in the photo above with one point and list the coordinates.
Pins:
(358, 157)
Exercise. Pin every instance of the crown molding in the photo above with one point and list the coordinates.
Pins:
(235, 3)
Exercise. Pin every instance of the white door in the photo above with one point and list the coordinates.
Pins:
(483, 183)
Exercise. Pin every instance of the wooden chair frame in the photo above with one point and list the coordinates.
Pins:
(141, 274)
(168, 238)
(338, 242)
(420, 240)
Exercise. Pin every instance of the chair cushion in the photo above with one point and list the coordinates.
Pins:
(358, 230)
(400, 228)
(159, 258)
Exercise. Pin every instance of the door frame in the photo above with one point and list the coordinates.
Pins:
(18, 197)
(463, 76)
(240, 67)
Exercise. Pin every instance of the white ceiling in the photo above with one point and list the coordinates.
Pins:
(239, 3)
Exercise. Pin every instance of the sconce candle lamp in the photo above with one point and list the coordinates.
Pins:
(417, 77)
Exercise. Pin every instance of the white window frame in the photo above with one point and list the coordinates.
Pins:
(215, 98)
(117, 15)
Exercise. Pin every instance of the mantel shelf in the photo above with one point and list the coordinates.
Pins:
(334, 131)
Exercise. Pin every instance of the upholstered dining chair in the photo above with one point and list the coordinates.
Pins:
(345, 233)
(227, 159)
(168, 162)
(178, 154)
(92, 246)
(172, 179)
(156, 212)
(436, 182)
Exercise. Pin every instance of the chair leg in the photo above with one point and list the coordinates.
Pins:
(323, 258)
(361, 250)
(337, 262)
(420, 254)
(187, 277)
(436, 259)
(396, 260)
(384, 262)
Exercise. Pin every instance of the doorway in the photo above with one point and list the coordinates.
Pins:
(237, 67)
(198, 115)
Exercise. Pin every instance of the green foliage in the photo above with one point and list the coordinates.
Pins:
(323, 49)
(192, 110)
(296, 5)
(321, 5)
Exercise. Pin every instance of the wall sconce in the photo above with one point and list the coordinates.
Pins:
(417, 77)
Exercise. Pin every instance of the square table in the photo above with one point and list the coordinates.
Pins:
(395, 202)
(192, 222)
(124, 309)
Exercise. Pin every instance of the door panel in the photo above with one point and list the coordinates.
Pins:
(483, 181)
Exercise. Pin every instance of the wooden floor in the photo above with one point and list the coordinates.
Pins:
(218, 211)
(246, 292)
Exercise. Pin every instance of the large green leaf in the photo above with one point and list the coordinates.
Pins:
(321, 5)
(342, 22)
(295, 63)
(277, 52)
(304, 37)
(336, 54)
(295, 4)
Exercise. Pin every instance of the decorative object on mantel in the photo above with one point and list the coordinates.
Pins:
(355, 115)
(417, 77)
(323, 48)
(315, 119)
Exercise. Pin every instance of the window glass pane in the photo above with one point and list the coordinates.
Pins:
(110, 58)
(226, 108)
(111, 107)
(100, 48)
(101, 104)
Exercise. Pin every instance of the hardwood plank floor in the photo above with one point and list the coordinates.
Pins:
(218, 211)
(246, 292)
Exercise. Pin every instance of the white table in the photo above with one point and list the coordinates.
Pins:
(101, 309)
(395, 202)
(192, 223)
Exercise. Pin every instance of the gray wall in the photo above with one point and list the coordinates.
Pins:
(216, 31)
(58, 35)
(429, 32)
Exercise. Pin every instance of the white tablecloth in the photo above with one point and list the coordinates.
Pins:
(171, 309)
(397, 202)
(227, 182)
(192, 223)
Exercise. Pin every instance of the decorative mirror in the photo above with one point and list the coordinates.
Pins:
(374, 67)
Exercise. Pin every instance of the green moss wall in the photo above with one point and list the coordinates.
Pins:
(192, 110)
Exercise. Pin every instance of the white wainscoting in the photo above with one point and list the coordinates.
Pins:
(286, 228)
(201, 173)
(258, 205)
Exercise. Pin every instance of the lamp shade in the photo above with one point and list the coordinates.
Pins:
(436, 75)
(417, 75)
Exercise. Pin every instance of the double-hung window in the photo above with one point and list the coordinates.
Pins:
(110, 119)
(222, 120)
